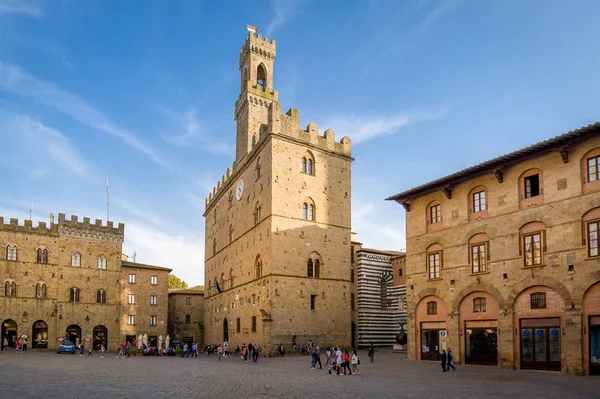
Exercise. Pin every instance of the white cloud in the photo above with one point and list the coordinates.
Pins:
(17, 80)
(41, 145)
(20, 7)
(184, 253)
(194, 132)
(284, 11)
(366, 127)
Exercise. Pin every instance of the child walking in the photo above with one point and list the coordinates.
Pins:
(355, 361)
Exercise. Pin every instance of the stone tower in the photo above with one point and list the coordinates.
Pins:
(277, 239)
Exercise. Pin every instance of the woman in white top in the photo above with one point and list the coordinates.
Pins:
(355, 369)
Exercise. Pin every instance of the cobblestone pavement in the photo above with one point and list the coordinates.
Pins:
(49, 375)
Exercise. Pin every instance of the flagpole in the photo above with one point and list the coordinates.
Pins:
(107, 201)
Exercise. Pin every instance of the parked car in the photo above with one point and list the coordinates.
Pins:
(66, 346)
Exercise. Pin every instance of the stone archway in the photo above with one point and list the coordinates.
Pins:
(39, 335)
(591, 330)
(478, 312)
(9, 331)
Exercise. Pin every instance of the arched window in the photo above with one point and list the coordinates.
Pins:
(74, 295)
(75, 259)
(431, 307)
(258, 168)
(100, 296)
(102, 262)
(40, 290)
(309, 166)
(42, 255)
(257, 210)
(591, 231)
(352, 306)
(532, 243)
(531, 188)
(479, 305)
(10, 288)
(304, 166)
(261, 77)
(304, 211)
(434, 261)
(479, 253)
(258, 267)
(11, 252)
(400, 272)
(313, 265)
(308, 210)
(308, 163)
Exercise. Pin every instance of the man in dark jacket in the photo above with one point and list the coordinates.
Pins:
(450, 358)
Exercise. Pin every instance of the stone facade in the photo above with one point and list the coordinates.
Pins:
(283, 205)
(502, 262)
(186, 315)
(145, 297)
(61, 280)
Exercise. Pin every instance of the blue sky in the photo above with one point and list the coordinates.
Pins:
(142, 93)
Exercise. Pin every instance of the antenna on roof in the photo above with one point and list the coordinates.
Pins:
(134, 256)
(31, 210)
(107, 201)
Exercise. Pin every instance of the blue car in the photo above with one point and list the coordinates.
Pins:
(66, 346)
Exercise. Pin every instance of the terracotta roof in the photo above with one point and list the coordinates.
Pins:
(198, 290)
(125, 263)
(553, 144)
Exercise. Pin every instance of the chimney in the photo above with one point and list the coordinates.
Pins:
(51, 218)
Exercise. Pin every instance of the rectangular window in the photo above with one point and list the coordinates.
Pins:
(313, 300)
(154, 280)
(532, 186)
(131, 320)
(152, 321)
(153, 300)
(533, 249)
(351, 254)
(479, 201)
(434, 263)
(188, 319)
(238, 325)
(132, 279)
(479, 305)
(435, 214)
(538, 300)
(593, 228)
(431, 308)
(188, 300)
(594, 168)
(478, 258)
(254, 324)
(131, 299)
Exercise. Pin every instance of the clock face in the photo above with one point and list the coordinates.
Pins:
(239, 190)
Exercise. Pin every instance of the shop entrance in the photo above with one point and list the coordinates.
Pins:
(481, 346)
(594, 323)
(74, 334)
(430, 344)
(9, 331)
(39, 335)
(100, 336)
(540, 344)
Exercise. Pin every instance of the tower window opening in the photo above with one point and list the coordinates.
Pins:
(261, 77)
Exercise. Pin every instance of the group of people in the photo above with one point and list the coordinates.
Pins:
(447, 360)
(339, 362)
(20, 344)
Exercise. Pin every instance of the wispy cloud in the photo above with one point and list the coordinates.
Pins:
(192, 131)
(366, 127)
(20, 7)
(17, 80)
(284, 11)
(30, 136)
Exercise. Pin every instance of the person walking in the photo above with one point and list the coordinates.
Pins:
(184, 350)
(90, 351)
(450, 360)
(313, 359)
(81, 349)
(355, 362)
(5, 344)
(338, 361)
(346, 363)
(219, 353)
(25, 345)
(255, 353)
(318, 352)
(101, 351)
(371, 352)
(444, 359)
(281, 350)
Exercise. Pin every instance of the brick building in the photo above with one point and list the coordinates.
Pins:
(144, 301)
(278, 223)
(186, 315)
(502, 259)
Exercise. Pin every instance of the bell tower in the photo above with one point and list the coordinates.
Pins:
(256, 91)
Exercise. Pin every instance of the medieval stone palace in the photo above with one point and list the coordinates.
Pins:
(277, 261)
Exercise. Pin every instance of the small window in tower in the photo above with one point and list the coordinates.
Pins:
(261, 77)
(532, 186)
